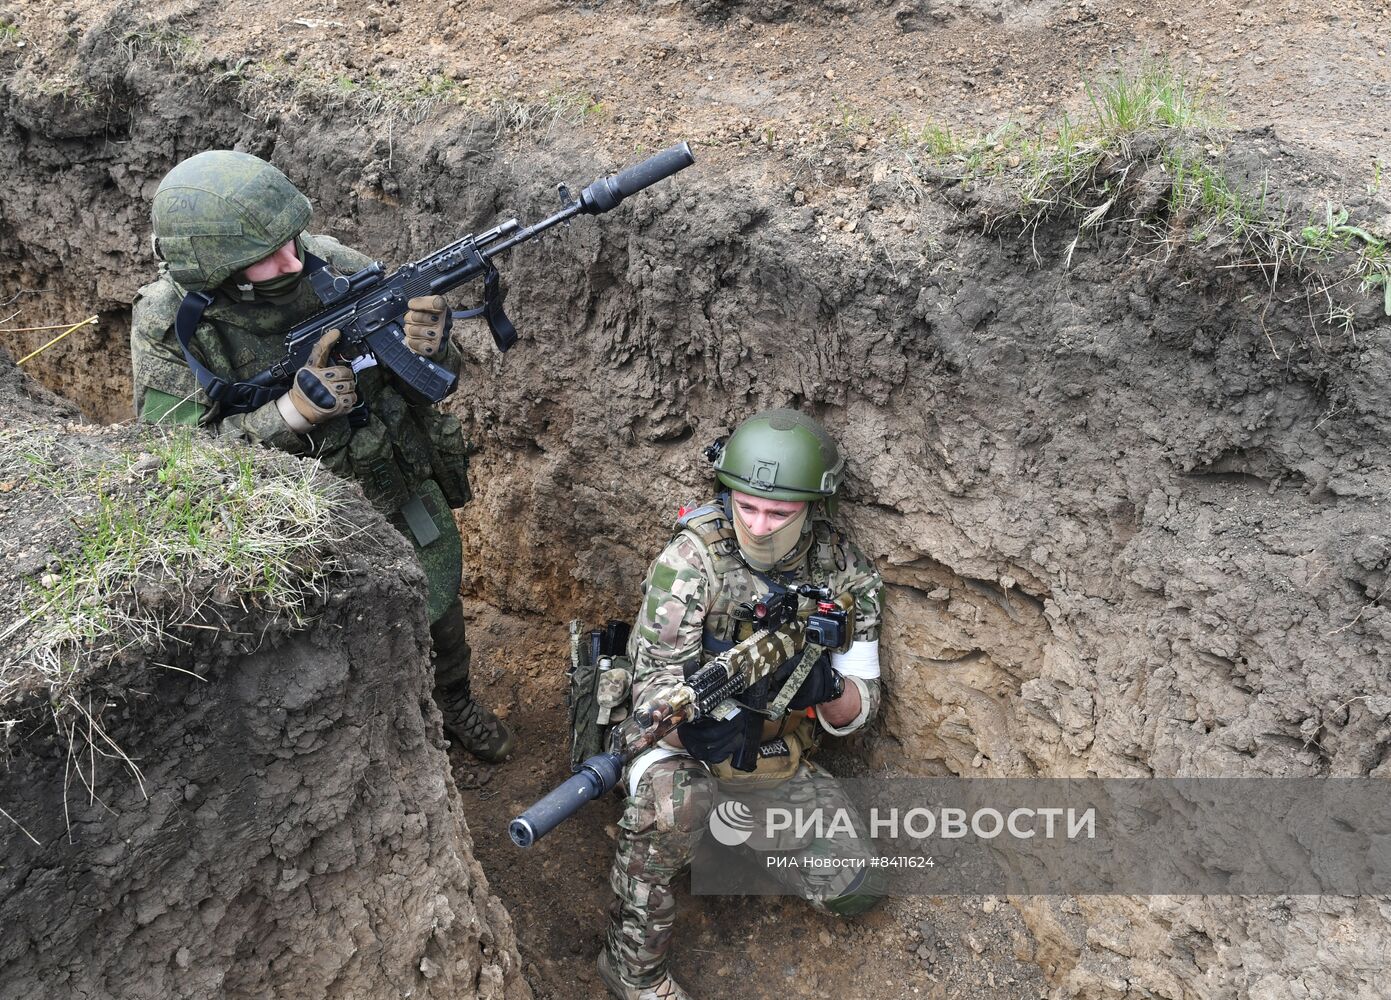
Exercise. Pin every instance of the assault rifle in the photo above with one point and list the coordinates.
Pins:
(368, 306)
(779, 634)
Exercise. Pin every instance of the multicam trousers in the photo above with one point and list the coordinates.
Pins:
(662, 824)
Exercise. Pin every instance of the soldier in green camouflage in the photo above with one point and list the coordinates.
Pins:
(231, 226)
(772, 528)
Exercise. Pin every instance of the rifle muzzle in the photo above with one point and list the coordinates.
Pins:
(607, 192)
(592, 779)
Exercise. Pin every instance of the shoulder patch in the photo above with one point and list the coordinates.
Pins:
(663, 577)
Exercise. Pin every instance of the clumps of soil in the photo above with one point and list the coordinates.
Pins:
(125, 542)
(248, 795)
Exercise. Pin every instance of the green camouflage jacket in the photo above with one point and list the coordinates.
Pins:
(691, 588)
(405, 449)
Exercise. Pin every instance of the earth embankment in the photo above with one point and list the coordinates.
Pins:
(1129, 496)
(246, 809)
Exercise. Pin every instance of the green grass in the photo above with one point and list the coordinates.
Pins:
(1084, 168)
(1155, 97)
(939, 140)
(9, 33)
(1373, 253)
(162, 539)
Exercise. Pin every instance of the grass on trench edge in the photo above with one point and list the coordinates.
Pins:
(1080, 168)
(164, 538)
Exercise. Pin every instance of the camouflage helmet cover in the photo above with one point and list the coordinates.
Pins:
(781, 455)
(219, 211)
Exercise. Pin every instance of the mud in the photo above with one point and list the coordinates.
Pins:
(1130, 500)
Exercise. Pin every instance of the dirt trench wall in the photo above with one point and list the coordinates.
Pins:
(1131, 510)
(293, 832)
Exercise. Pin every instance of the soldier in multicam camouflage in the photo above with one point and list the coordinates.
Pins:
(772, 529)
(231, 226)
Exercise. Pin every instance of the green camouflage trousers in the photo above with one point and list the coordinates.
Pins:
(662, 823)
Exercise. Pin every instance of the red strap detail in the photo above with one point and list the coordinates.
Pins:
(681, 511)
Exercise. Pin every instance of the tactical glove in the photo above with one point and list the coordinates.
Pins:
(823, 683)
(426, 324)
(713, 740)
(320, 391)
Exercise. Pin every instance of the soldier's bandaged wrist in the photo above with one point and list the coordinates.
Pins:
(292, 417)
(861, 660)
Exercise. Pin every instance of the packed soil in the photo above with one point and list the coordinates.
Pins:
(254, 805)
(1129, 498)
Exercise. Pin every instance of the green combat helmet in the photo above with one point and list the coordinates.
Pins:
(781, 455)
(220, 211)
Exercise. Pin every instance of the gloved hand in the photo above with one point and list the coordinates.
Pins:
(320, 391)
(426, 324)
(823, 683)
(713, 740)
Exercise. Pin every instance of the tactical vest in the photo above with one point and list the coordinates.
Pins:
(712, 526)
(390, 446)
(785, 740)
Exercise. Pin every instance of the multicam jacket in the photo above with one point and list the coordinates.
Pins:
(406, 448)
(699, 578)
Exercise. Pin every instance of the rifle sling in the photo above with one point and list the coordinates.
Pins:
(230, 397)
(504, 333)
(811, 652)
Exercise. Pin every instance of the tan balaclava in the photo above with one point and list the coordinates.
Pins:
(778, 547)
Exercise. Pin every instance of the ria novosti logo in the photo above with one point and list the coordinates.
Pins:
(731, 823)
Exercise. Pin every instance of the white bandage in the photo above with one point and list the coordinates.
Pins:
(861, 660)
(645, 760)
(292, 417)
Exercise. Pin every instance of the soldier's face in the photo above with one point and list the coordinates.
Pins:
(283, 261)
(763, 516)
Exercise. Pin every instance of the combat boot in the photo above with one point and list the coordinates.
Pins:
(664, 988)
(466, 722)
(473, 726)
